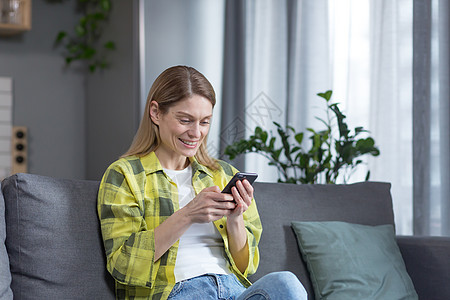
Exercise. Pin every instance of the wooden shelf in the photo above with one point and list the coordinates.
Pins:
(22, 21)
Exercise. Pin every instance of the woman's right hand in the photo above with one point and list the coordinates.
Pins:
(210, 205)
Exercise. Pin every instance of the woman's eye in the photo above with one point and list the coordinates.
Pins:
(205, 123)
(185, 121)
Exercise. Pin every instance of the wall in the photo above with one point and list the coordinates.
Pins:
(48, 98)
(77, 122)
(112, 96)
(180, 32)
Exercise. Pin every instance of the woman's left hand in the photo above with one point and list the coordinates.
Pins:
(243, 195)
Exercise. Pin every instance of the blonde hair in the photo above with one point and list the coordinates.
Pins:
(171, 86)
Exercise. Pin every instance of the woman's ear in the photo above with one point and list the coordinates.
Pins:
(154, 112)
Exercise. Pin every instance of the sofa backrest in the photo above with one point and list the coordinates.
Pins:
(5, 275)
(53, 239)
(279, 204)
(56, 251)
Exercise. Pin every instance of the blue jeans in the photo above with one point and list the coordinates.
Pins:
(277, 285)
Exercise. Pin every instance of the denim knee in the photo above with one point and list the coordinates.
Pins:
(285, 283)
(282, 276)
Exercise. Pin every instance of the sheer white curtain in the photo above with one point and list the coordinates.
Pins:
(373, 78)
(361, 49)
(391, 102)
(287, 65)
(266, 73)
(439, 135)
(442, 13)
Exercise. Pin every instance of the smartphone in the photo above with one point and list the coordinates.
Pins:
(251, 177)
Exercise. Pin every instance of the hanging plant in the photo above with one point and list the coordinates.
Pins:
(84, 43)
(332, 152)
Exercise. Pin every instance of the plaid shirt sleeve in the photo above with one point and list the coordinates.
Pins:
(254, 231)
(129, 244)
(253, 227)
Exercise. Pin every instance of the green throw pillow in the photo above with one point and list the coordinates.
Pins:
(352, 261)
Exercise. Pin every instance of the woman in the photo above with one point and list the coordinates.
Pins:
(168, 231)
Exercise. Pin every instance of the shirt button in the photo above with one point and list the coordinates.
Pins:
(221, 226)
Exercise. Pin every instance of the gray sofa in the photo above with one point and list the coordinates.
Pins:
(54, 248)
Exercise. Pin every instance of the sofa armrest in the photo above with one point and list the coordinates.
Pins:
(427, 260)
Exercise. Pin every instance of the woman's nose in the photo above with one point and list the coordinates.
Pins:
(195, 131)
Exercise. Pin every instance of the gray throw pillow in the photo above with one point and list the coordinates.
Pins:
(352, 261)
(54, 240)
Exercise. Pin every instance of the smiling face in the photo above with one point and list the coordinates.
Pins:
(182, 129)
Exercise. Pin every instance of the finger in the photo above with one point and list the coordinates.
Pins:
(248, 188)
(213, 188)
(222, 203)
(246, 192)
(229, 205)
(242, 190)
(240, 203)
(222, 197)
(222, 212)
(236, 195)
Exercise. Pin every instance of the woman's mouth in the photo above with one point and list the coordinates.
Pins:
(189, 143)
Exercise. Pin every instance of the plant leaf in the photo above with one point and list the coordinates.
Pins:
(110, 45)
(326, 95)
(92, 68)
(272, 142)
(299, 137)
(80, 30)
(264, 136)
(61, 35)
(106, 5)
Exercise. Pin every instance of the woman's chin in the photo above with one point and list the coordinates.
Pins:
(188, 152)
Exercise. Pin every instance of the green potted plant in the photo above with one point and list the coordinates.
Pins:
(84, 43)
(332, 152)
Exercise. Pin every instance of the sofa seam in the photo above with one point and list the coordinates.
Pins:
(19, 234)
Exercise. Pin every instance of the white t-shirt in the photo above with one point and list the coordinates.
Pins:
(201, 249)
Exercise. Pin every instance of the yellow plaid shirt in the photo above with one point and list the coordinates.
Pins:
(135, 196)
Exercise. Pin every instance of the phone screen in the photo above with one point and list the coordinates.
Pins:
(251, 177)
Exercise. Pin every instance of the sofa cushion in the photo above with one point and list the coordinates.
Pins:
(5, 274)
(352, 261)
(367, 203)
(54, 241)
